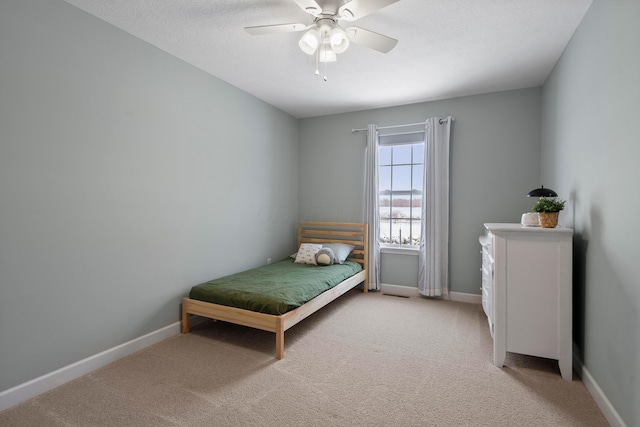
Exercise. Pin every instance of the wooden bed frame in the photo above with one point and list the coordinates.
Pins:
(308, 232)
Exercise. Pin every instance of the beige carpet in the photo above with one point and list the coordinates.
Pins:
(365, 360)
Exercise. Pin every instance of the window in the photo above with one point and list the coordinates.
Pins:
(400, 188)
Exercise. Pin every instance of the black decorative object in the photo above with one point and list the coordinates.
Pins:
(542, 192)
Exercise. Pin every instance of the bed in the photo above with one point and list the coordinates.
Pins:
(250, 311)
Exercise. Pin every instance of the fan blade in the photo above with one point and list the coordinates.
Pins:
(370, 39)
(309, 6)
(277, 28)
(356, 9)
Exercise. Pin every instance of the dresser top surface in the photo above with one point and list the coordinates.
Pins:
(498, 227)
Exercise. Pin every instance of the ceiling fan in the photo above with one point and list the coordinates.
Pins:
(325, 37)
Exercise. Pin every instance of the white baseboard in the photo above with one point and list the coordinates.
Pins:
(30, 389)
(402, 291)
(609, 412)
(408, 291)
(463, 297)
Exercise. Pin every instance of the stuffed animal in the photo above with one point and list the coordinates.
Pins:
(325, 256)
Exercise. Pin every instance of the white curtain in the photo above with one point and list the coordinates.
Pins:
(433, 274)
(372, 210)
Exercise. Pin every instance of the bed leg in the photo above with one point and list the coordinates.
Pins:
(185, 320)
(279, 340)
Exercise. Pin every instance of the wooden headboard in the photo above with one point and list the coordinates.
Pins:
(338, 232)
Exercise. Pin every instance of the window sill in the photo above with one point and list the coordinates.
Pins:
(396, 250)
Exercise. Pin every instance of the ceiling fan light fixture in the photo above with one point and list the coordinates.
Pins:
(309, 42)
(325, 54)
(338, 40)
(325, 38)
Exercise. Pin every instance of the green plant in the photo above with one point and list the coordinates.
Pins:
(549, 204)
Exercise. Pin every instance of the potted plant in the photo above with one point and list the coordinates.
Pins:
(548, 209)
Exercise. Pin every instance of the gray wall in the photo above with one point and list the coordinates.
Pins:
(495, 161)
(118, 164)
(120, 167)
(590, 152)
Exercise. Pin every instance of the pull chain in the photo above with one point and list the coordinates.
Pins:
(317, 73)
(325, 69)
(324, 45)
(323, 48)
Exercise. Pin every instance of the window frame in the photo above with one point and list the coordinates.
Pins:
(399, 139)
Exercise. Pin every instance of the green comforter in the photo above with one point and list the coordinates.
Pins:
(275, 288)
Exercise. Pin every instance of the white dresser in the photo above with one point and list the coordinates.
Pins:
(527, 291)
(487, 278)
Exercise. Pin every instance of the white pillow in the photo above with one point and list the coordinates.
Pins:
(340, 250)
(307, 253)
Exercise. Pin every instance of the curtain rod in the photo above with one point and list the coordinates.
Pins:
(397, 126)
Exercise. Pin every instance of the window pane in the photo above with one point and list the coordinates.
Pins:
(401, 178)
(416, 207)
(384, 178)
(401, 231)
(400, 207)
(384, 156)
(417, 177)
(385, 207)
(416, 215)
(416, 230)
(402, 154)
(385, 224)
(418, 153)
(397, 229)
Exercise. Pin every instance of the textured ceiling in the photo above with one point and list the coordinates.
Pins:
(446, 48)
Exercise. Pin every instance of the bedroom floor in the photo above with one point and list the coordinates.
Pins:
(366, 359)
